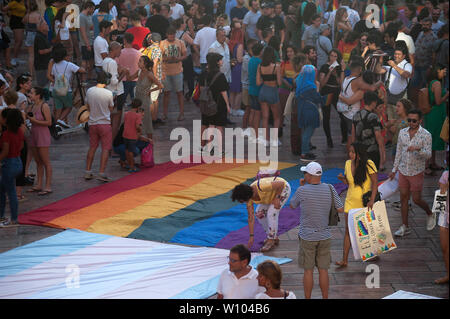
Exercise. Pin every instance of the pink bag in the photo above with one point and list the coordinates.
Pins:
(147, 156)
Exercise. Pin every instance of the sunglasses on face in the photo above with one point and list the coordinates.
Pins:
(412, 120)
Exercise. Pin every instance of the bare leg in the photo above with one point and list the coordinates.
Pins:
(308, 282)
(347, 246)
(45, 156)
(444, 245)
(180, 98)
(18, 40)
(31, 60)
(256, 119)
(166, 98)
(324, 282)
(404, 200)
(418, 200)
(39, 168)
(103, 161)
(265, 119)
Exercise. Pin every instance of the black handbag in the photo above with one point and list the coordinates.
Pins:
(366, 197)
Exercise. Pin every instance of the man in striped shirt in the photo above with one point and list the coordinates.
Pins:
(315, 199)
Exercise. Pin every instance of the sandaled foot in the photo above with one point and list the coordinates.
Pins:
(341, 264)
(45, 192)
(268, 246)
(441, 281)
(181, 117)
(34, 190)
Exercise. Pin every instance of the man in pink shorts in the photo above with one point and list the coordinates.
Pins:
(100, 103)
(413, 150)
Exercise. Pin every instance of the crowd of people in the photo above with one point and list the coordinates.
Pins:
(384, 72)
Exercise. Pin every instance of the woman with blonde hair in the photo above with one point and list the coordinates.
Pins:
(269, 277)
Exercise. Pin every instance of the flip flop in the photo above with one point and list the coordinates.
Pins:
(45, 192)
(34, 190)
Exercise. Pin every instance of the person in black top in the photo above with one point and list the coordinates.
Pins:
(270, 20)
(219, 90)
(122, 27)
(42, 53)
(157, 23)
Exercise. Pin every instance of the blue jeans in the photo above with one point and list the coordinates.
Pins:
(128, 88)
(140, 145)
(12, 167)
(307, 134)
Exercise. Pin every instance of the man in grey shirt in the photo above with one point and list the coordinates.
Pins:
(87, 38)
(312, 32)
(323, 45)
(250, 20)
(315, 199)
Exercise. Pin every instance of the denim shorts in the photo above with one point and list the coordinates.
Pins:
(173, 83)
(269, 94)
(254, 103)
(29, 38)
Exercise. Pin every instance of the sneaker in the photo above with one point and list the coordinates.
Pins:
(133, 170)
(402, 231)
(61, 122)
(330, 143)
(88, 176)
(103, 178)
(247, 132)
(238, 113)
(431, 221)
(3, 219)
(275, 143)
(262, 141)
(307, 157)
(13, 62)
(9, 223)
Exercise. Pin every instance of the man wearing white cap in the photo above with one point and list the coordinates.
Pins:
(315, 199)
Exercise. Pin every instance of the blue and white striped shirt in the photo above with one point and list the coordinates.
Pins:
(315, 201)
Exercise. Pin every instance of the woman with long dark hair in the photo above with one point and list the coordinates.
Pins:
(236, 45)
(434, 120)
(11, 144)
(269, 76)
(361, 177)
(217, 83)
(330, 78)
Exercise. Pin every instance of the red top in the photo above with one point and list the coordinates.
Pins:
(15, 141)
(139, 36)
(130, 122)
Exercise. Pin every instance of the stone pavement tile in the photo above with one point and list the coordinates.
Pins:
(359, 278)
(429, 289)
(421, 277)
(407, 254)
(344, 291)
(294, 279)
(436, 265)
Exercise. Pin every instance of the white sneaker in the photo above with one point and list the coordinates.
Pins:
(13, 62)
(239, 113)
(103, 178)
(246, 132)
(402, 231)
(88, 176)
(262, 141)
(275, 143)
(431, 221)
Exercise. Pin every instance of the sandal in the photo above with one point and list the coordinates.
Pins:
(181, 117)
(268, 246)
(21, 198)
(45, 192)
(34, 190)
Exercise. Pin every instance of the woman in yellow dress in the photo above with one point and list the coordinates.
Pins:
(270, 194)
(361, 177)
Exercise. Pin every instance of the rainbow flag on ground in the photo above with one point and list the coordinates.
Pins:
(177, 203)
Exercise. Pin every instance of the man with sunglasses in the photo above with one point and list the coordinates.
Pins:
(240, 280)
(413, 150)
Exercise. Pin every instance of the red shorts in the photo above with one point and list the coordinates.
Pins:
(100, 133)
(413, 183)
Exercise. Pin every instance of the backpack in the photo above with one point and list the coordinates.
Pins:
(52, 127)
(424, 99)
(147, 159)
(61, 86)
(206, 101)
(263, 173)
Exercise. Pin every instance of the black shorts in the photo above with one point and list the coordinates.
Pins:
(119, 101)
(15, 22)
(87, 55)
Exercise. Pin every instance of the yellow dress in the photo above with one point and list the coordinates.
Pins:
(355, 192)
(265, 191)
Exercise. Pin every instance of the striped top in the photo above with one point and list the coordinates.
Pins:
(315, 201)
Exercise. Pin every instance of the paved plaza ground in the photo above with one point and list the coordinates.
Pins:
(412, 267)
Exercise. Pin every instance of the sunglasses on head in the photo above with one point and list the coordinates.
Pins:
(412, 120)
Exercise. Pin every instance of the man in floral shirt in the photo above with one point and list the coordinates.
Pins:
(413, 150)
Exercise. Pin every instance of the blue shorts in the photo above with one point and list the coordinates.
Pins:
(254, 103)
(269, 95)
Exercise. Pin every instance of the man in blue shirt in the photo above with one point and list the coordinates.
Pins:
(253, 89)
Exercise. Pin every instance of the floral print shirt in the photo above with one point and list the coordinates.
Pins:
(412, 163)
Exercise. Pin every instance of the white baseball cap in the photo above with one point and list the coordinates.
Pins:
(312, 168)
